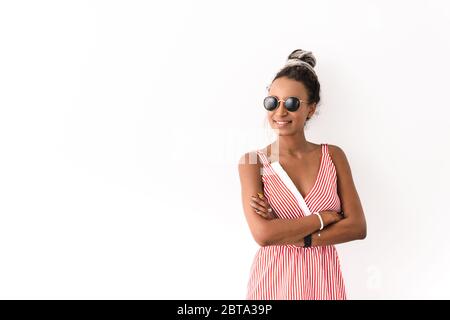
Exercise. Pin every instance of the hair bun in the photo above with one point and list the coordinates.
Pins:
(302, 55)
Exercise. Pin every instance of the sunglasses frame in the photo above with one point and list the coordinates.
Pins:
(279, 102)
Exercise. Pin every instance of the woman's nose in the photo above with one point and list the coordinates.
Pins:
(281, 109)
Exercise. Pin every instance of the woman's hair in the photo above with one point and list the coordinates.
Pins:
(300, 67)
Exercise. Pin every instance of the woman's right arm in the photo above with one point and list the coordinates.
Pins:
(274, 231)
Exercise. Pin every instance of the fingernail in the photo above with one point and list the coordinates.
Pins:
(260, 195)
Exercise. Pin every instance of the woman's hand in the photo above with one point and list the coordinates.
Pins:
(262, 207)
(330, 217)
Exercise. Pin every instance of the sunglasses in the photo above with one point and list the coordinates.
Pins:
(291, 103)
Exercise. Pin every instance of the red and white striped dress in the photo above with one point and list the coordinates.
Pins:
(288, 272)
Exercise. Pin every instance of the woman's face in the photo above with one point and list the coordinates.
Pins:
(283, 88)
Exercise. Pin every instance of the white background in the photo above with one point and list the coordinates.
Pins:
(122, 122)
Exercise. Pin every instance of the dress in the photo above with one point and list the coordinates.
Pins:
(288, 272)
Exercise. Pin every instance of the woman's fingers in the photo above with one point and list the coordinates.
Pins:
(261, 206)
(270, 212)
(258, 205)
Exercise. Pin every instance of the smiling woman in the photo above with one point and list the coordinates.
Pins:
(307, 200)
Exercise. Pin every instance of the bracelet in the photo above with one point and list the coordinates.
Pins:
(321, 220)
(307, 241)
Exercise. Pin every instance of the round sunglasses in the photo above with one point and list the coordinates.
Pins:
(291, 103)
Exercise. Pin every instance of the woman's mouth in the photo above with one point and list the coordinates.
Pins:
(282, 123)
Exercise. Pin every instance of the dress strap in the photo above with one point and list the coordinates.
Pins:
(325, 148)
(262, 155)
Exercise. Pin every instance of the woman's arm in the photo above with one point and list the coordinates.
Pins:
(353, 225)
(292, 231)
(274, 231)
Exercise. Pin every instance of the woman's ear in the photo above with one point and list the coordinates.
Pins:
(312, 109)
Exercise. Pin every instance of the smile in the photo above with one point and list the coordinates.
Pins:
(282, 123)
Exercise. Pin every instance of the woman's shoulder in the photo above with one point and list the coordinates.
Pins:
(251, 166)
(250, 158)
(337, 155)
(335, 150)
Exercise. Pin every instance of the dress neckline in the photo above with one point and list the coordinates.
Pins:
(287, 180)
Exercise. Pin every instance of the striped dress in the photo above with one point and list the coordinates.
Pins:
(288, 272)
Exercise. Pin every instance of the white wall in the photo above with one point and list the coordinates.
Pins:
(122, 122)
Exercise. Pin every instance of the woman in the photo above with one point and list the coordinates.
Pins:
(299, 197)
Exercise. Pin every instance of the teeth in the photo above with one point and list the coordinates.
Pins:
(284, 122)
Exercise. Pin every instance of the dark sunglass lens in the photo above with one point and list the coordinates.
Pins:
(292, 103)
(270, 103)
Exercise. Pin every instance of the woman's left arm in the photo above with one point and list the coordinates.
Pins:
(353, 226)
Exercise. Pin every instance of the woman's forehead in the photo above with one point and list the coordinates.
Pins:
(286, 86)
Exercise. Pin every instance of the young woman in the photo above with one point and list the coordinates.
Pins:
(299, 197)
